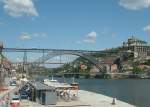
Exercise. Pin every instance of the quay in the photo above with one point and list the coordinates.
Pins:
(86, 99)
(99, 100)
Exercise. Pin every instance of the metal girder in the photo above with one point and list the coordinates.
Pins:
(28, 63)
(44, 50)
(38, 50)
(83, 55)
(86, 54)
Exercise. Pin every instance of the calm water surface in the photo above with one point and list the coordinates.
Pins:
(136, 92)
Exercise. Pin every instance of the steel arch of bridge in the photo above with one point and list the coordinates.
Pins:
(86, 56)
(56, 52)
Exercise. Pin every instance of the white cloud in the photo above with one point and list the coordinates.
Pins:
(146, 28)
(91, 37)
(43, 34)
(134, 4)
(107, 32)
(17, 8)
(25, 36)
(39, 35)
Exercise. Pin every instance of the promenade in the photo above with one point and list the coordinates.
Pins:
(86, 99)
(99, 100)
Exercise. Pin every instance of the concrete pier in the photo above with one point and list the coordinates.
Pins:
(86, 99)
(99, 100)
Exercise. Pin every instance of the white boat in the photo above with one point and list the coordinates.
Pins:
(56, 84)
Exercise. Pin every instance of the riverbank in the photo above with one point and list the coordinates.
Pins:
(99, 100)
(86, 99)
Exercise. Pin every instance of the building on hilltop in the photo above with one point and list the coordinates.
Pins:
(139, 47)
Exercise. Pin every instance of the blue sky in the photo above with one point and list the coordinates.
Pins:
(73, 24)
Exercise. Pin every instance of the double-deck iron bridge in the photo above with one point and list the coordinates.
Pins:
(47, 54)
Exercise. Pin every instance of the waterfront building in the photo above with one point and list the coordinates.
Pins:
(139, 47)
(42, 94)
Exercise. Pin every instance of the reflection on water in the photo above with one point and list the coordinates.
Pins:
(136, 92)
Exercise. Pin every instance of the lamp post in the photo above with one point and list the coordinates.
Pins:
(74, 69)
(1, 79)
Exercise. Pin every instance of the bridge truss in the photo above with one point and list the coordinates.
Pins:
(50, 53)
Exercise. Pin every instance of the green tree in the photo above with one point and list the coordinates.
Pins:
(137, 70)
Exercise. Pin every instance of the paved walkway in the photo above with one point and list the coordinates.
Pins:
(99, 100)
(86, 99)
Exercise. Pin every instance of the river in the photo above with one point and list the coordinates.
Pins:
(136, 92)
(133, 91)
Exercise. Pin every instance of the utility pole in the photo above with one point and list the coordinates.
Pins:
(43, 57)
(1, 59)
(25, 69)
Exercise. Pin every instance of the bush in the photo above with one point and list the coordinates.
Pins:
(137, 70)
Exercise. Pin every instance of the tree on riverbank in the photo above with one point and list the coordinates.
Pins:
(137, 70)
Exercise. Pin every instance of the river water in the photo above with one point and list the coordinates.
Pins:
(133, 91)
(136, 92)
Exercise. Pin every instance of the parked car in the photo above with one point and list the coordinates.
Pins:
(23, 95)
(13, 83)
(15, 101)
